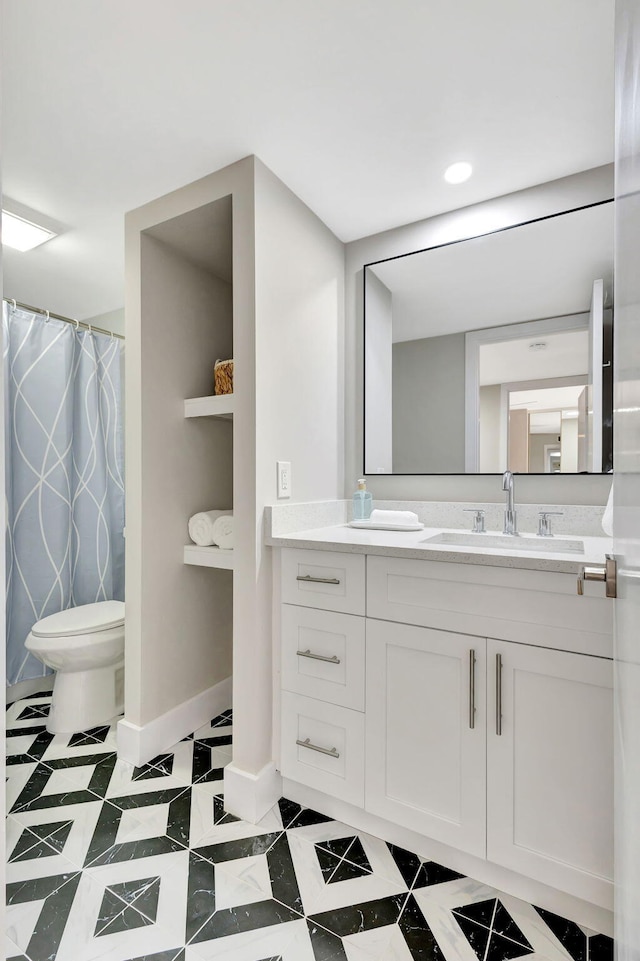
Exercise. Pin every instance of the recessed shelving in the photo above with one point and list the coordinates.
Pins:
(217, 405)
(208, 557)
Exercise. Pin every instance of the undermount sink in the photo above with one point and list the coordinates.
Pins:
(546, 545)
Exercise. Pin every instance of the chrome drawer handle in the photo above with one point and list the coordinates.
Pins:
(317, 580)
(314, 747)
(472, 689)
(319, 657)
(498, 694)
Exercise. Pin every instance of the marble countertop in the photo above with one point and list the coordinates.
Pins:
(412, 545)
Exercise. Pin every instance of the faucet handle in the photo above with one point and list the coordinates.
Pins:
(478, 520)
(544, 524)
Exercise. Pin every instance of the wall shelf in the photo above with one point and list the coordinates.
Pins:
(208, 557)
(220, 405)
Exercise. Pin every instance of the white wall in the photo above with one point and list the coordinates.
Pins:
(564, 194)
(299, 307)
(113, 320)
(569, 445)
(379, 380)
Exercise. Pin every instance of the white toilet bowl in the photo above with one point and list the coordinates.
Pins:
(85, 646)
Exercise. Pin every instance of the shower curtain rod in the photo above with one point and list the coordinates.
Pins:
(67, 320)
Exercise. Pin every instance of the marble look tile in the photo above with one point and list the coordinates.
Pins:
(319, 896)
(377, 852)
(85, 938)
(288, 941)
(37, 912)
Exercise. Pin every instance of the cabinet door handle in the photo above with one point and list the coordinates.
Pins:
(472, 689)
(319, 657)
(498, 694)
(315, 747)
(317, 580)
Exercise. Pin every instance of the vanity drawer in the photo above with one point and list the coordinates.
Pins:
(325, 579)
(527, 606)
(333, 761)
(323, 655)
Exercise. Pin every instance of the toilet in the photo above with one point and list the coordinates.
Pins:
(85, 646)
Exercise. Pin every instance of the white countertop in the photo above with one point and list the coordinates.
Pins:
(412, 545)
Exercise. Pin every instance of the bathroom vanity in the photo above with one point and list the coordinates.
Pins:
(455, 696)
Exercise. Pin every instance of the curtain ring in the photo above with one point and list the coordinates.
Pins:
(14, 305)
(89, 326)
(46, 320)
(77, 323)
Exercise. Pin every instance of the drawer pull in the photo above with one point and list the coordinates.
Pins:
(317, 580)
(319, 657)
(498, 694)
(314, 747)
(472, 689)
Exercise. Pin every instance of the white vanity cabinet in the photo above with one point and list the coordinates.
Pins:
(550, 767)
(425, 732)
(469, 704)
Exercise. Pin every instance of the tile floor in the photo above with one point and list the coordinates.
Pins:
(108, 861)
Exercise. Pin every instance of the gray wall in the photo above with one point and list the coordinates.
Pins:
(558, 195)
(490, 460)
(428, 405)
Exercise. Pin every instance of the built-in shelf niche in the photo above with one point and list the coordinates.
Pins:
(208, 557)
(213, 406)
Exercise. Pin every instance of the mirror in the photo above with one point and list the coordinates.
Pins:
(494, 352)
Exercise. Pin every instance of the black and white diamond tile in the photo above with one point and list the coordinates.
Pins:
(111, 862)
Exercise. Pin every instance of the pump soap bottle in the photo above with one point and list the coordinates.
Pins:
(362, 502)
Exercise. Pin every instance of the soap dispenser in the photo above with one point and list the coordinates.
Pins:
(362, 502)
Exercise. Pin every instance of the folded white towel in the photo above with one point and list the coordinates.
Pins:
(398, 518)
(201, 527)
(223, 532)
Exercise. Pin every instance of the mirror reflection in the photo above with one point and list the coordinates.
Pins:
(494, 353)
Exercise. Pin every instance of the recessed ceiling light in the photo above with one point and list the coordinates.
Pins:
(22, 234)
(457, 173)
(538, 345)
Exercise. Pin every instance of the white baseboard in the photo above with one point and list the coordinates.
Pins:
(31, 686)
(250, 796)
(138, 744)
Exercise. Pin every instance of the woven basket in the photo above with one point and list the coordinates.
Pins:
(223, 377)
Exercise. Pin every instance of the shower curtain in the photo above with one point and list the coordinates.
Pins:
(64, 469)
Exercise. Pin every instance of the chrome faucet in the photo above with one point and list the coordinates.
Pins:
(510, 516)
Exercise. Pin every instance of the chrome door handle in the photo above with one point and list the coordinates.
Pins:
(315, 747)
(607, 572)
(472, 689)
(498, 694)
(319, 657)
(317, 580)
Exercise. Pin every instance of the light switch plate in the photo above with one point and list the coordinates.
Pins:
(284, 479)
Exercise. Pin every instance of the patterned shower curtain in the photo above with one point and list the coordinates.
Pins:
(64, 455)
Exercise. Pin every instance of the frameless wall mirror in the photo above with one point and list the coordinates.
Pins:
(494, 352)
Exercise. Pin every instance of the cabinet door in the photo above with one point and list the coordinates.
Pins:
(550, 768)
(425, 752)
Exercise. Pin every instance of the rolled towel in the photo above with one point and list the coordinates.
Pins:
(222, 532)
(397, 518)
(201, 527)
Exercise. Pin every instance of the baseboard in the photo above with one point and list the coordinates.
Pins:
(559, 902)
(139, 743)
(250, 796)
(32, 685)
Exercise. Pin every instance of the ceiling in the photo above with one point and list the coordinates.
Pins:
(536, 270)
(565, 354)
(357, 106)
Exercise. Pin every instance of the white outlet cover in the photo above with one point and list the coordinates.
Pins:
(283, 479)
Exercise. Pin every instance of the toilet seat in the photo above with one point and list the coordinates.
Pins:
(76, 621)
